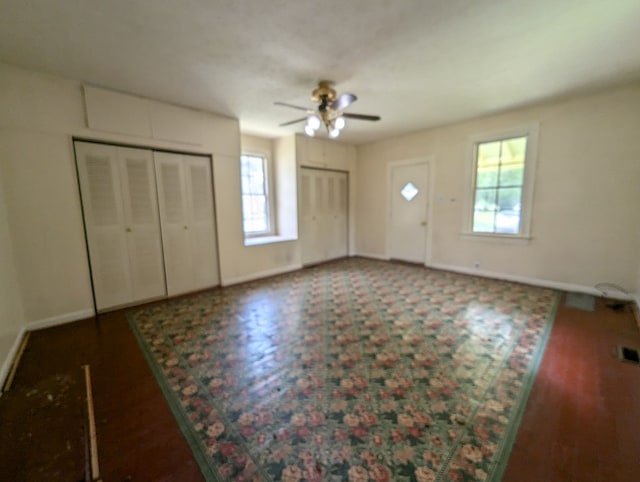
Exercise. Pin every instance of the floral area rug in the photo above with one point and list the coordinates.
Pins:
(355, 370)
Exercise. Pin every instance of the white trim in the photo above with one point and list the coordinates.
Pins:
(60, 319)
(381, 257)
(496, 238)
(557, 285)
(259, 240)
(261, 274)
(8, 361)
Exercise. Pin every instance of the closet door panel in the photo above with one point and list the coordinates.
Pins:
(201, 222)
(98, 173)
(313, 195)
(323, 207)
(338, 236)
(174, 222)
(142, 223)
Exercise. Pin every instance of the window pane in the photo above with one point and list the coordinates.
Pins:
(254, 214)
(511, 174)
(508, 217)
(256, 183)
(484, 210)
(483, 221)
(509, 198)
(514, 150)
(487, 176)
(255, 210)
(486, 200)
(488, 154)
(245, 184)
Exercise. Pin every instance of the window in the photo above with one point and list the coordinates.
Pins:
(256, 206)
(502, 185)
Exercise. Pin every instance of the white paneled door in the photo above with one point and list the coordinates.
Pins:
(123, 230)
(407, 227)
(188, 225)
(323, 215)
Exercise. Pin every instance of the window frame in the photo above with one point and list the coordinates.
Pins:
(529, 131)
(268, 189)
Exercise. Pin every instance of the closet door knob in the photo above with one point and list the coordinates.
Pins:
(128, 230)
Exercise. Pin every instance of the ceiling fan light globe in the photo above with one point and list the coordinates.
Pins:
(339, 123)
(314, 122)
(333, 133)
(310, 131)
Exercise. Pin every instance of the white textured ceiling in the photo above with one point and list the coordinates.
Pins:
(416, 63)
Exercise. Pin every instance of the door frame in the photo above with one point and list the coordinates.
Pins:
(428, 161)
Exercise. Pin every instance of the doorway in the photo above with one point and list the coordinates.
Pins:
(408, 210)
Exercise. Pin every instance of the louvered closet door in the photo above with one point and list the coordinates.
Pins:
(311, 193)
(98, 172)
(173, 217)
(336, 234)
(201, 222)
(142, 223)
(323, 207)
(121, 219)
(187, 220)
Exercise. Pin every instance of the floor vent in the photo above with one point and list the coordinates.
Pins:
(581, 301)
(629, 355)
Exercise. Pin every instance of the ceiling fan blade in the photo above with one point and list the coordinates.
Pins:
(344, 101)
(293, 122)
(366, 117)
(293, 106)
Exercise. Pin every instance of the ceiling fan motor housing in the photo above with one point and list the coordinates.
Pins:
(323, 94)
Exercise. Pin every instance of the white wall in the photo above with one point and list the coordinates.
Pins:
(11, 312)
(39, 114)
(585, 218)
(637, 291)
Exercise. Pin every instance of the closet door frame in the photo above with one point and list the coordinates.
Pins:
(346, 208)
(74, 140)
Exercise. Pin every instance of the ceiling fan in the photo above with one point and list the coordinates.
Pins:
(330, 111)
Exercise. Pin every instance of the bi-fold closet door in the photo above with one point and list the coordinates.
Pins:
(133, 255)
(187, 220)
(121, 220)
(323, 215)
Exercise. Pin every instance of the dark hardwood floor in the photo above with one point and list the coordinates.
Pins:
(582, 421)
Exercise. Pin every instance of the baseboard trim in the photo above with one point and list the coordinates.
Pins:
(557, 285)
(60, 319)
(371, 256)
(38, 325)
(13, 351)
(262, 274)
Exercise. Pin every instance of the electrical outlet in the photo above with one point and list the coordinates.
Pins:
(476, 265)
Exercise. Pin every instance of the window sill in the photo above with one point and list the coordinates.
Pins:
(497, 238)
(260, 240)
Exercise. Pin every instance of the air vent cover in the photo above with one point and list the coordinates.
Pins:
(629, 355)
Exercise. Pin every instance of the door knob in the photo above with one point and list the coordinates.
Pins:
(423, 223)
(128, 230)
(186, 227)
